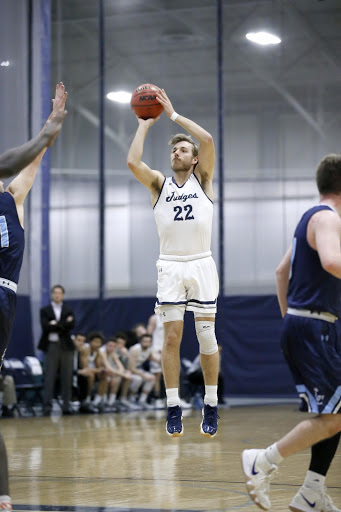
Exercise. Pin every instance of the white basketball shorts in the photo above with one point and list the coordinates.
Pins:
(192, 284)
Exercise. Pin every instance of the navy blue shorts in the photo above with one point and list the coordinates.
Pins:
(8, 302)
(312, 349)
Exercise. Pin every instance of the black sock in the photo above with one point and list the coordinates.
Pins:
(322, 454)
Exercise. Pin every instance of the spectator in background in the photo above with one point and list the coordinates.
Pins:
(140, 355)
(79, 381)
(57, 320)
(135, 334)
(122, 351)
(156, 330)
(115, 371)
(124, 357)
(93, 368)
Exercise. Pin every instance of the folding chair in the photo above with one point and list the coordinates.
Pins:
(28, 379)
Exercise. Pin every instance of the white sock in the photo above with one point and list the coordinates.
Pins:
(211, 396)
(143, 398)
(112, 398)
(272, 454)
(314, 480)
(97, 400)
(172, 397)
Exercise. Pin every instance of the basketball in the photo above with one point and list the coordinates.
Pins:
(144, 103)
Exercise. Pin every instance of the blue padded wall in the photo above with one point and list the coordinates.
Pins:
(248, 328)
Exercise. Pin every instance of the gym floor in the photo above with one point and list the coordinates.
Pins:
(126, 462)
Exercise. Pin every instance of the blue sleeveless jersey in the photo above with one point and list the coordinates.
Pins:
(12, 239)
(310, 286)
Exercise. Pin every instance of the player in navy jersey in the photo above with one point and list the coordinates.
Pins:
(309, 295)
(187, 275)
(25, 159)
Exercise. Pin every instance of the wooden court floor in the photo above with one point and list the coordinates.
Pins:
(126, 462)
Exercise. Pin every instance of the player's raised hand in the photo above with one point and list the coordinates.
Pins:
(54, 123)
(147, 122)
(165, 102)
(60, 98)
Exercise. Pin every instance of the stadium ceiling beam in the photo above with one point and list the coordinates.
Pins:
(289, 98)
(94, 120)
(319, 42)
(322, 46)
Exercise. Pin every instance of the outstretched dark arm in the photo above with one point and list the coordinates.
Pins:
(14, 160)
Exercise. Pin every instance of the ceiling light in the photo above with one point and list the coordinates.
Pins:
(119, 96)
(263, 38)
(4, 63)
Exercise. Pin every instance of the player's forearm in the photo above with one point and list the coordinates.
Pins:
(282, 285)
(194, 129)
(136, 149)
(16, 159)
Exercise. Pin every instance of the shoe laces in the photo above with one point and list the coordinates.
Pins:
(211, 415)
(328, 502)
(174, 414)
(263, 480)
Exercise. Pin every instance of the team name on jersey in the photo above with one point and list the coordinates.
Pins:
(181, 197)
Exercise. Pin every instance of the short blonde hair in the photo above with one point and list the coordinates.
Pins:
(182, 136)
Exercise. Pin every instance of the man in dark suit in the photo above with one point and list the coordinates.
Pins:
(57, 320)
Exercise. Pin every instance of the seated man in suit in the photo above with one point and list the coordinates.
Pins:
(57, 320)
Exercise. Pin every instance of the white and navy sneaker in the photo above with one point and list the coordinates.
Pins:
(308, 500)
(209, 424)
(258, 473)
(5, 503)
(174, 426)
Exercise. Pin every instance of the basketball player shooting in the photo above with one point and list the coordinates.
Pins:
(187, 275)
(25, 158)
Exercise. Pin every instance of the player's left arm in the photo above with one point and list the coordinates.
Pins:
(206, 156)
(21, 185)
(118, 363)
(282, 281)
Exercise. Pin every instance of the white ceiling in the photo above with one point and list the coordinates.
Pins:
(173, 43)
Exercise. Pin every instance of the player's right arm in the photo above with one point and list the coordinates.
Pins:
(151, 179)
(84, 357)
(324, 235)
(282, 281)
(14, 160)
(105, 362)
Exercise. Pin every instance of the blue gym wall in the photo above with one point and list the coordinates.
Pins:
(247, 327)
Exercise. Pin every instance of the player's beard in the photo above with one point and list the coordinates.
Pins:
(180, 168)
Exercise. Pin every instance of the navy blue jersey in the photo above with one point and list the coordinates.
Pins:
(12, 239)
(310, 286)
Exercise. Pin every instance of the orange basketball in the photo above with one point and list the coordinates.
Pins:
(144, 103)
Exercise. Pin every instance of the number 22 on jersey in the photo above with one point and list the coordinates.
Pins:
(184, 213)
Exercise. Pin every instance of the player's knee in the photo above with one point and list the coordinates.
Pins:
(172, 340)
(206, 337)
(334, 427)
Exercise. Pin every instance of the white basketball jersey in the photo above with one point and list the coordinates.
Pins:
(183, 217)
(141, 355)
